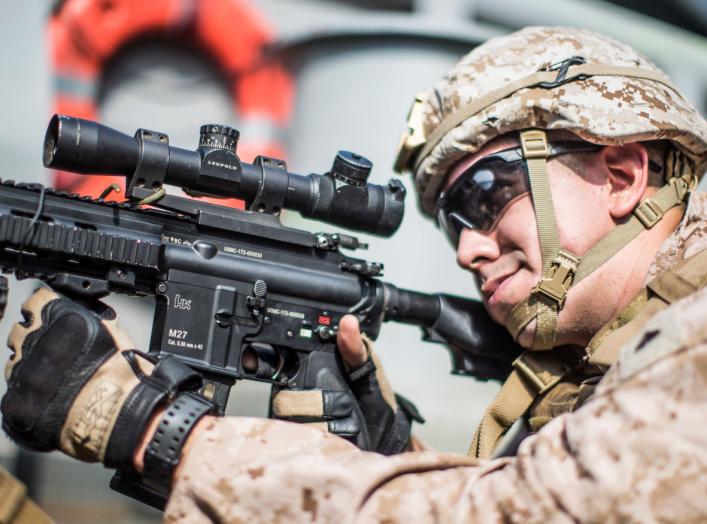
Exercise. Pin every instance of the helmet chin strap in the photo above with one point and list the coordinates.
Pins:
(562, 269)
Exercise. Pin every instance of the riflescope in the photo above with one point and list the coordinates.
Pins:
(341, 196)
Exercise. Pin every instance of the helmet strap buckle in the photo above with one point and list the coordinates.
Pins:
(558, 278)
(649, 213)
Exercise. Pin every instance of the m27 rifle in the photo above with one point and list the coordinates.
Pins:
(238, 296)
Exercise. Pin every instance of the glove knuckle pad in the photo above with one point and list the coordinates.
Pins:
(51, 365)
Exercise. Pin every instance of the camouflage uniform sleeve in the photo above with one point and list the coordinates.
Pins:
(636, 452)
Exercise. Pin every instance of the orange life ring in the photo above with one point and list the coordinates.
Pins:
(85, 34)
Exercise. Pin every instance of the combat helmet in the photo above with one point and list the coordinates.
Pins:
(547, 78)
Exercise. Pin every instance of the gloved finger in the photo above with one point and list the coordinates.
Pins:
(350, 342)
(312, 404)
(368, 381)
(32, 312)
(347, 427)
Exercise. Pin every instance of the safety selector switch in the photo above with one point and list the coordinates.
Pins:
(325, 332)
(256, 301)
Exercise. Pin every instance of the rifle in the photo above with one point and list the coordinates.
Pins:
(238, 296)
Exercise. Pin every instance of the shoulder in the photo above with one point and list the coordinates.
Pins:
(672, 343)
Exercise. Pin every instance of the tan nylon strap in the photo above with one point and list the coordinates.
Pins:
(545, 301)
(15, 506)
(678, 282)
(533, 374)
(546, 331)
(681, 280)
(645, 216)
(533, 79)
(514, 399)
(535, 152)
(521, 315)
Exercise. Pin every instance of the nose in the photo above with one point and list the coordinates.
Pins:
(476, 248)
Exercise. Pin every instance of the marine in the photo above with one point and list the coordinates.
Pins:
(562, 166)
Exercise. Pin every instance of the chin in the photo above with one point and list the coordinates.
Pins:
(503, 301)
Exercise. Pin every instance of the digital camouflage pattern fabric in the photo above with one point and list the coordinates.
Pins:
(606, 110)
(636, 451)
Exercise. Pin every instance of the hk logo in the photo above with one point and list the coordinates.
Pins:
(182, 303)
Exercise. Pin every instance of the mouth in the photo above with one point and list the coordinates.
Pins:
(491, 288)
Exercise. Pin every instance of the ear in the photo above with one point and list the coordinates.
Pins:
(627, 177)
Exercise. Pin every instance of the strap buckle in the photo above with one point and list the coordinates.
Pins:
(649, 213)
(544, 370)
(562, 67)
(534, 144)
(558, 278)
(413, 139)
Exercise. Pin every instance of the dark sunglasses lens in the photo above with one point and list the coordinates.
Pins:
(477, 198)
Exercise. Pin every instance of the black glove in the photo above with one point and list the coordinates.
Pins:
(386, 417)
(74, 384)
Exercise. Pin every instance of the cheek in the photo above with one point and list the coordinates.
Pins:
(581, 212)
(517, 233)
(520, 253)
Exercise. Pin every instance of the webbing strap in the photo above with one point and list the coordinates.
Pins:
(645, 216)
(546, 331)
(545, 302)
(15, 506)
(573, 72)
(533, 374)
(681, 280)
(670, 285)
(535, 152)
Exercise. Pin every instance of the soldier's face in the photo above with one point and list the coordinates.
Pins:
(506, 260)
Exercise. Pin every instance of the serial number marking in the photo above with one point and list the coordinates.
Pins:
(184, 344)
(285, 312)
(243, 252)
(176, 240)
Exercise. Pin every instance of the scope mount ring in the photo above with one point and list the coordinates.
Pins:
(152, 163)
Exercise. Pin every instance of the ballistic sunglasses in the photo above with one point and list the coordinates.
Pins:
(478, 197)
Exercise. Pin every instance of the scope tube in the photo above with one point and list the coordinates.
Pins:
(87, 147)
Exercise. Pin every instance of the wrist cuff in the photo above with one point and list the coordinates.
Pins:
(132, 421)
(164, 450)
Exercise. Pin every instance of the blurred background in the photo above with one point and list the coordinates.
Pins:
(300, 79)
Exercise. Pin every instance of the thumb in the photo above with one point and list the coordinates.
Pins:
(350, 343)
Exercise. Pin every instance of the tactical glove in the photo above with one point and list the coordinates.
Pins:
(386, 416)
(74, 384)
